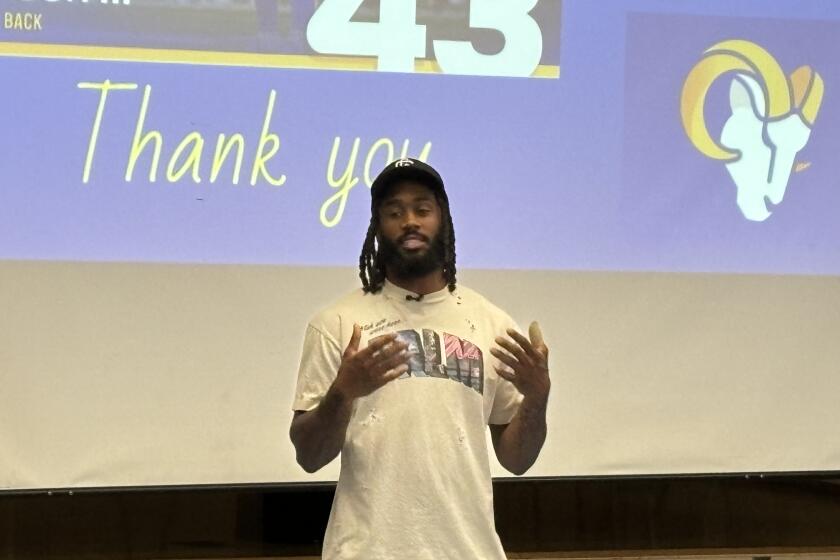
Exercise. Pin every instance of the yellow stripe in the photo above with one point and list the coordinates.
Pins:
(219, 58)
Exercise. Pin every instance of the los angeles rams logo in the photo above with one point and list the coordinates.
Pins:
(771, 121)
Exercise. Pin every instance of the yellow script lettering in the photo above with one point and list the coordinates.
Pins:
(265, 138)
(104, 88)
(193, 160)
(344, 183)
(139, 143)
(338, 200)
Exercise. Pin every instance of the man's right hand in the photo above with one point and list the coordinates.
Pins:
(364, 371)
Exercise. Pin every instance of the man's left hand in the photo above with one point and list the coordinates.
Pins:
(527, 360)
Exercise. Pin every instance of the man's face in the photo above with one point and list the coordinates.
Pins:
(409, 230)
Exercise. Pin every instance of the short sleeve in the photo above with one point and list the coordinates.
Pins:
(507, 398)
(319, 363)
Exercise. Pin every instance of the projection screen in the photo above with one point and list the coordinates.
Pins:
(186, 182)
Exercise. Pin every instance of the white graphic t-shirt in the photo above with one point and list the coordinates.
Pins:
(415, 476)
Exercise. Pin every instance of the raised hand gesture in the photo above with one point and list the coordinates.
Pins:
(364, 371)
(526, 361)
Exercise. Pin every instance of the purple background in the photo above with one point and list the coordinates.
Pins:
(682, 202)
(544, 174)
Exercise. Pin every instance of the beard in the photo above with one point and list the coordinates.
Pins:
(411, 264)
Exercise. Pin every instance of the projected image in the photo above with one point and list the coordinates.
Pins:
(771, 121)
(727, 137)
(388, 35)
(716, 168)
(195, 24)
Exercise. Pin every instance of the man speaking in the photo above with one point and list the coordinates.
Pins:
(403, 376)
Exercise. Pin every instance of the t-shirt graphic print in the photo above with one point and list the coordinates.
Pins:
(456, 359)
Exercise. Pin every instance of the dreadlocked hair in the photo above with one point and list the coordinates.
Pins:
(372, 269)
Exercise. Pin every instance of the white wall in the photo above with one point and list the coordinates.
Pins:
(140, 374)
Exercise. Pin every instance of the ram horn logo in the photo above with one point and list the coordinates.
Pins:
(772, 117)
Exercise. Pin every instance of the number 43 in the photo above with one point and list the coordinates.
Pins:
(397, 40)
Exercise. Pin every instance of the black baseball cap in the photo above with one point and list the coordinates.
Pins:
(406, 169)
